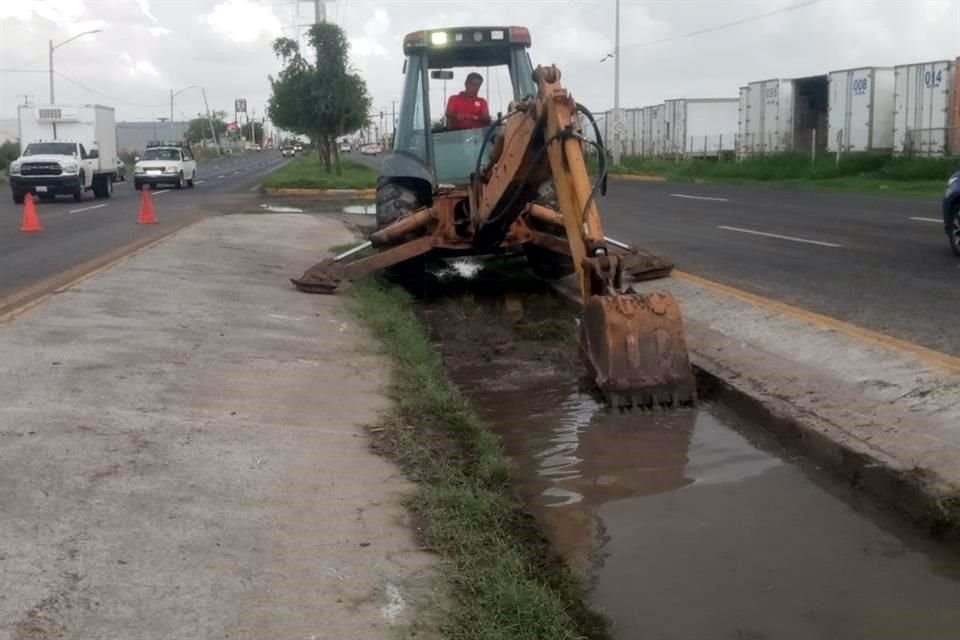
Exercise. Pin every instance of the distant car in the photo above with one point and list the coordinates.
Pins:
(298, 148)
(371, 149)
(255, 147)
(121, 171)
(345, 147)
(287, 152)
(951, 212)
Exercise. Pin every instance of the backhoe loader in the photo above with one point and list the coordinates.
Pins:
(519, 185)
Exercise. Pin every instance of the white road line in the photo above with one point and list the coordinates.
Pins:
(218, 177)
(237, 171)
(254, 188)
(156, 193)
(780, 237)
(96, 206)
(199, 182)
(689, 197)
(919, 219)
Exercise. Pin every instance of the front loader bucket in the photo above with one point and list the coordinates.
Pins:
(636, 349)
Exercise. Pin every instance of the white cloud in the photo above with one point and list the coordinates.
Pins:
(371, 42)
(159, 31)
(243, 21)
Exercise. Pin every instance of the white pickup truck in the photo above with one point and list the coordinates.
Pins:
(65, 150)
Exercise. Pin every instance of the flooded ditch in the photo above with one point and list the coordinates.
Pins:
(691, 523)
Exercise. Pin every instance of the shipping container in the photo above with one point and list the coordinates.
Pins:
(653, 126)
(700, 127)
(923, 111)
(860, 116)
(766, 117)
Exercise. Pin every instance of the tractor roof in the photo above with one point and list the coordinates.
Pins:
(466, 46)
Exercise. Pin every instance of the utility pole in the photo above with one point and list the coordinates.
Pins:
(319, 11)
(393, 118)
(213, 131)
(26, 97)
(617, 116)
(253, 132)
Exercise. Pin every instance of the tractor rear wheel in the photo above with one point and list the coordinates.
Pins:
(394, 201)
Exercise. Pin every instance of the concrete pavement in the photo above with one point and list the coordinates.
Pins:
(183, 454)
(881, 263)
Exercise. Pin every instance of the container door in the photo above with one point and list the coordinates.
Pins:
(838, 110)
(772, 130)
(860, 92)
(755, 131)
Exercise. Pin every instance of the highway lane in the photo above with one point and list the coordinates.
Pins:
(76, 233)
(879, 262)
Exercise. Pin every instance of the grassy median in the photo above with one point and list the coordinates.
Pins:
(308, 172)
(860, 172)
(506, 582)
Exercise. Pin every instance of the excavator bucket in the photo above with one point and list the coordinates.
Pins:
(636, 349)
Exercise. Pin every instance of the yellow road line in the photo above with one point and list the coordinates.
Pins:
(930, 356)
(25, 299)
(636, 178)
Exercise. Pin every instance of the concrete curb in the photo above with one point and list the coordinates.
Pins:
(356, 193)
(925, 498)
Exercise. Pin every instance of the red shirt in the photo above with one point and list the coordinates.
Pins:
(464, 112)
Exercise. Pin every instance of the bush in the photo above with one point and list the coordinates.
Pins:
(9, 151)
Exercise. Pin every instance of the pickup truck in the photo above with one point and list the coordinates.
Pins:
(68, 150)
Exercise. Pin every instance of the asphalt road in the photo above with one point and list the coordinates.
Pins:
(881, 263)
(76, 233)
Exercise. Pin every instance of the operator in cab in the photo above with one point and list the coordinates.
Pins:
(467, 110)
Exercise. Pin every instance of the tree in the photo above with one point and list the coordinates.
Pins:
(324, 99)
(198, 129)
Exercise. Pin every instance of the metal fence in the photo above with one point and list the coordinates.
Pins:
(931, 143)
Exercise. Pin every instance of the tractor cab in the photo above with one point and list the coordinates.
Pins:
(436, 67)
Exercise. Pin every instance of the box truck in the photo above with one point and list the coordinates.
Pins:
(65, 150)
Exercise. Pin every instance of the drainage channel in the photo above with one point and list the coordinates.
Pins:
(689, 523)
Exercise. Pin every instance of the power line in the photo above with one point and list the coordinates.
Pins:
(727, 25)
(10, 70)
(103, 95)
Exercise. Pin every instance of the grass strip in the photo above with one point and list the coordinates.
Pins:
(506, 582)
(858, 172)
(307, 172)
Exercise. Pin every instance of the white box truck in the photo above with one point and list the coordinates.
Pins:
(65, 150)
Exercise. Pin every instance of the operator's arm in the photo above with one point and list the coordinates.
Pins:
(484, 117)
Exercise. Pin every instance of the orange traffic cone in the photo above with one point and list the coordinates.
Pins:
(30, 221)
(146, 208)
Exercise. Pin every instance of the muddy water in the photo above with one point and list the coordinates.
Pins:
(692, 524)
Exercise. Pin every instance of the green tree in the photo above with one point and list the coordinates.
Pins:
(198, 129)
(323, 99)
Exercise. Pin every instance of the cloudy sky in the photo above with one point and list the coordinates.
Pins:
(148, 47)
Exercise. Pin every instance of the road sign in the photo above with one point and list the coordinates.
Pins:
(240, 105)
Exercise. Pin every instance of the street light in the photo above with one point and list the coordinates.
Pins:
(53, 48)
(172, 94)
